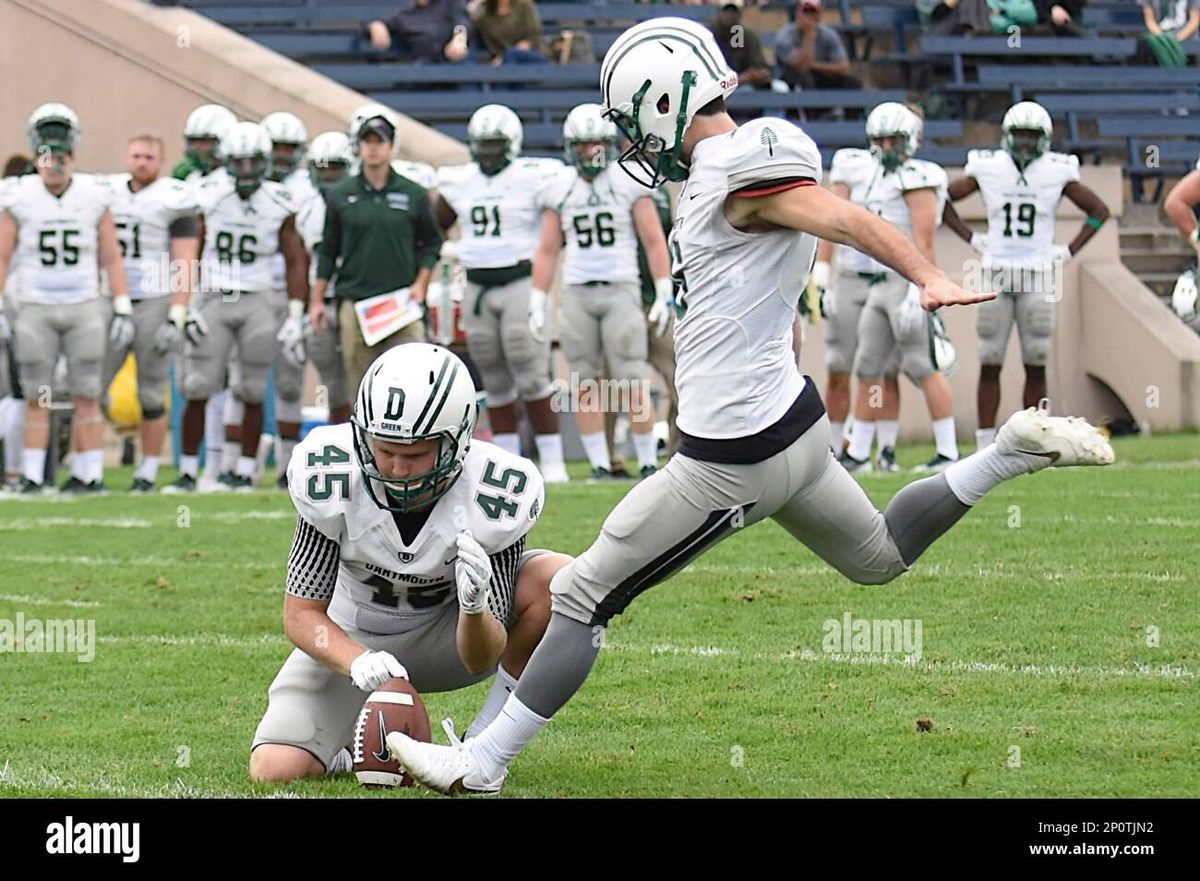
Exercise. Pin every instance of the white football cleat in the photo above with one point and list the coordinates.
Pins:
(1063, 440)
(450, 770)
(554, 472)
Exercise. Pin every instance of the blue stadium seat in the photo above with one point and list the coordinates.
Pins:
(1158, 159)
(1017, 80)
(958, 49)
(384, 76)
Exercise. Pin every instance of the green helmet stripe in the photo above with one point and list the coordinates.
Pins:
(432, 394)
(442, 403)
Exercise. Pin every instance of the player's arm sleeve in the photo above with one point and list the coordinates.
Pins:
(971, 169)
(779, 158)
(1073, 175)
(504, 579)
(312, 564)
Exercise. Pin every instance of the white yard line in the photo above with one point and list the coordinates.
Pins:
(26, 599)
(59, 559)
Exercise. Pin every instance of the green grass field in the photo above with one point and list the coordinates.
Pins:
(1037, 672)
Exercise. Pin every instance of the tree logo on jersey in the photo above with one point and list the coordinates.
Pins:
(769, 139)
(395, 404)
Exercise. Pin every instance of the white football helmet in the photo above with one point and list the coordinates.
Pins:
(208, 122)
(654, 78)
(246, 149)
(329, 157)
(55, 128)
(893, 120)
(365, 114)
(1183, 298)
(414, 392)
(1026, 116)
(286, 129)
(494, 134)
(587, 125)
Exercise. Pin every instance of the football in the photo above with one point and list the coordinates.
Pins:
(395, 706)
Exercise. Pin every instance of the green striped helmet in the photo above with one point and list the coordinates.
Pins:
(411, 393)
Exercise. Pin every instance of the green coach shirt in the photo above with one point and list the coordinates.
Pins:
(377, 240)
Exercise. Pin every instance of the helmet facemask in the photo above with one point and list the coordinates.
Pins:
(591, 156)
(890, 156)
(1025, 144)
(285, 158)
(248, 173)
(328, 173)
(492, 155)
(405, 495)
(647, 159)
(203, 153)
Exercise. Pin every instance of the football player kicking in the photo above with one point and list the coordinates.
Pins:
(603, 215)
(409, 559)
(156, 228)
(1021, 186)
(244, 221)
(874, 321)
(755, 436)
(60, 227)
(1180, 206)
(497, 200)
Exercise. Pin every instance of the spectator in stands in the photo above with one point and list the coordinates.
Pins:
(511, 30)
(1062, 18)
(741, 46)
(810, 55)
(955, 18)
(1168, 23)
(425, 30)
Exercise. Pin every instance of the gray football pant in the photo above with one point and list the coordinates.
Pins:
(44, 331)
(604, 323)
(881, 330)
(153, 369)
(512, 363)
(669, 519)
(840, 330)
(247, 320)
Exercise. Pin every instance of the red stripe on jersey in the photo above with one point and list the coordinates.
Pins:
(771, 189)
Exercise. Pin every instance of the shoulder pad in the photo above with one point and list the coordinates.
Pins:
(506, 492)
(770, 149)
(328, 450)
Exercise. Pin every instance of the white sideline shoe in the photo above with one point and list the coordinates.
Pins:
(1064, 440)
(554, 473)
(450, 770)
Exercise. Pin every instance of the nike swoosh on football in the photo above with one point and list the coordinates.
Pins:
(386, 755)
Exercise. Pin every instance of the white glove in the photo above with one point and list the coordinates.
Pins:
(449, 251)
(912, 318)
(537, 314)
(292, 330)
(168, 337)
(120, 332)
(371, 669)
(1060, 253)
(820, 280)
(1183, 298)
(195, 328)
(664, 304)
(979, 242)
(473, 572)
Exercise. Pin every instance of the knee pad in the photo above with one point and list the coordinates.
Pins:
(150, 414)
(252, 385)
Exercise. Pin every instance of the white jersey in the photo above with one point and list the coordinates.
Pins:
(883, 193)
(738, 291)
(310, 221)
(240, 235)
(500, 216)
(420, 173)
(299, 188)
(57, 255)
(144, 219)
(597, 223)
(1021, 206)
(7, 185)
(383, 584)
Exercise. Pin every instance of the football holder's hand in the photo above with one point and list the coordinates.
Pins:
(473, 574)
(371, 669)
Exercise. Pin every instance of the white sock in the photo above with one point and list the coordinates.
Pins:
(33, 465)
(943, 436)
(596, 448)
(984, 437)
(231, 451)
(646, 446)
(976, 475)
(860, 440)
(284, 447)
(509, 442)
(889, 432)
(189, 465)
(79, 465)
(509, 733)
(234, 411)
(214, 424)
(95, 466)
(549, 447)
(12, 432)
(246, 466)
(502, 686)
(148, 470)
(836, 429)
(341, 763)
